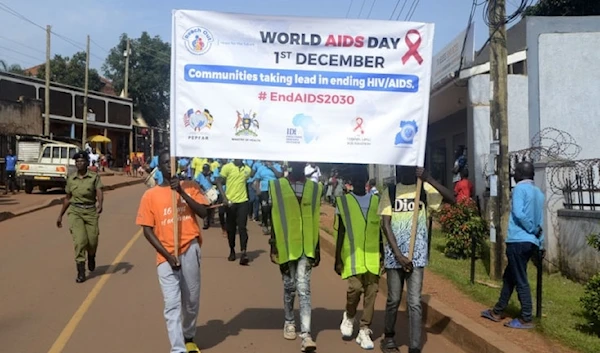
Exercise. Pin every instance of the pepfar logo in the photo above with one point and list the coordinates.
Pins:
(198, 40)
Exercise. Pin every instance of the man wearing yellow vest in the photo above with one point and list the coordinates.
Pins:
(295, 248)
(358, 253)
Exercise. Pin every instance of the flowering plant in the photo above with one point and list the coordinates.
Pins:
(461, 223)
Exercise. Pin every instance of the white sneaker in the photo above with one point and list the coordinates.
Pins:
(289, 332)
(364, 338)
(347, 326)
(308, 345)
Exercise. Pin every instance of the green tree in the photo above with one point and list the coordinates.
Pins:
(564, 8)
(71, 71)
(149, 75)
(12, 68)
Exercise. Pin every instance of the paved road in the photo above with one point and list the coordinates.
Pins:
(44, 310)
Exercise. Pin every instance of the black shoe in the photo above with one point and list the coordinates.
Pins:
(244, 260)
(388, 345)
(206, 226)
(80, 272)
(414, 350)
(92, 262)
(231, 255)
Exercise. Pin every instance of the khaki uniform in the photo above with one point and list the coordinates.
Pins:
(82, 215)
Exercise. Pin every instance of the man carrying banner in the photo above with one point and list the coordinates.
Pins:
(235, 200)
(358, 254)
(179, 277)
(397, 223)
(295, 248)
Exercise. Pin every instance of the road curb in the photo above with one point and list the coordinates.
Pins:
(57, 201)
(440, 318)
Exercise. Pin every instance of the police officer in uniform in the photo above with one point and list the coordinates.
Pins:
(84, 202)
(295, 248)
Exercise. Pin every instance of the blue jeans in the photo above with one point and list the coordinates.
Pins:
(515, 276)
(253, 203)
(414, 285)
(296, 278)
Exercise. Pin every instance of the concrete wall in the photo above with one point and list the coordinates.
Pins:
(24, 117)
(563, 79)
(478, 125)
(577, 259)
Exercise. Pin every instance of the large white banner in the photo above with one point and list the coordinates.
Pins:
(300, 89)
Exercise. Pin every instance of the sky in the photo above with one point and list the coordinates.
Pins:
(23, 41)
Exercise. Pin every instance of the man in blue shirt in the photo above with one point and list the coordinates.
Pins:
(525, 239)
(157, 175)
(265, 173)
(253, 197)
(11, 181)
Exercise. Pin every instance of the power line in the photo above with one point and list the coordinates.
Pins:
(361, 8)
(395, 7)
(412, 10)
(371, 9)
(401, 9)
(23, 45)
(18, 52)
(349, 8)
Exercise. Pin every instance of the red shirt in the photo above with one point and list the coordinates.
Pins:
(463, 189)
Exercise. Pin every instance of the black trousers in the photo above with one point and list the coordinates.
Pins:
(265, 208)
(237, 220)
(11, 181)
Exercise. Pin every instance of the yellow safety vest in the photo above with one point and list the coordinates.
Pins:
(360, 250)
(295, 224)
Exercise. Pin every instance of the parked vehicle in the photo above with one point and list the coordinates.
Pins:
(49, 169)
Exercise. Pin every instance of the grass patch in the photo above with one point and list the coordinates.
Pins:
(563, 317)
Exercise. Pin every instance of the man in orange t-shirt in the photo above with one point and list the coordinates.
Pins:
(179, 277)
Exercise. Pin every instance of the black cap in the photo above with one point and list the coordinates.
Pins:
(81, 154)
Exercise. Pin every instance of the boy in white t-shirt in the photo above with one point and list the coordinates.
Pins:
(312, 172)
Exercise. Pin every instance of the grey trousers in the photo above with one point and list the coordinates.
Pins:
(414, 285)
(181, 293)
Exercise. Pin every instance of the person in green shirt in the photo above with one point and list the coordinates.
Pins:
(235, 200)
(84, 202)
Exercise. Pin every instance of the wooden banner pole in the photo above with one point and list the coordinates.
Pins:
(415, 219)
(175, 211)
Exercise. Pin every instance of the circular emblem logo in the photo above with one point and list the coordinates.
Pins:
(408, 132)
(198, 40)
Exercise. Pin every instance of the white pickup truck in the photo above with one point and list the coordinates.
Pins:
(54, 162)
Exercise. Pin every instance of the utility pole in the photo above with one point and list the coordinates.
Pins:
(499, 204)
(126, 88)
(47, 87)
(85, 94)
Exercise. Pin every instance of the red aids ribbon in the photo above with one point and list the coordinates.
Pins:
(413, 47)
(359, 122)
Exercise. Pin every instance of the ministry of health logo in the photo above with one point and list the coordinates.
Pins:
(198, 40)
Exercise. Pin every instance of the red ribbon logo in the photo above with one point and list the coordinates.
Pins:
(413, 47)
(359, 123)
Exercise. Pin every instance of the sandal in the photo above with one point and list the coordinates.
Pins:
(489, 314)
(518, 324)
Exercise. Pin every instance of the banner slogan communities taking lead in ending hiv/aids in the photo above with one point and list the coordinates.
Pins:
(300, 89)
